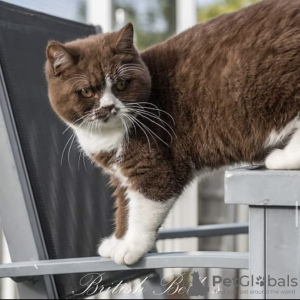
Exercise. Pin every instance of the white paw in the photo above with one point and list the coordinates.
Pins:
(276, 160)
(129, 253)
(107, 246)
(283, 160)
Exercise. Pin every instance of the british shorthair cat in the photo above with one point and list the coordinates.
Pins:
(222, 92)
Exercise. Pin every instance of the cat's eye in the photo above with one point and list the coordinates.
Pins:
(86, 93)
(121, 85)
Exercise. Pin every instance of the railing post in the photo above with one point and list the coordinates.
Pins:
(257, 245)
(274, 232)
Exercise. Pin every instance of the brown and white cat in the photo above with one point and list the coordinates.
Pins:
(222, 92)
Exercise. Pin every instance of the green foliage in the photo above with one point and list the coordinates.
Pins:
(223, 6)
(145, 33)
(146, 36)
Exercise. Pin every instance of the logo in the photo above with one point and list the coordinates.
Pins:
(183, 285)
(92, 284)
(260, 281)
(197, 288)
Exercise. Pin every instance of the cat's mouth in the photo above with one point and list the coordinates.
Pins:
(103, 114)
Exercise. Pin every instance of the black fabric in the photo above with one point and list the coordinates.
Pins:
(73, 202)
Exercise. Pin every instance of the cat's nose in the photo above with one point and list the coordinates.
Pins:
(111, 109)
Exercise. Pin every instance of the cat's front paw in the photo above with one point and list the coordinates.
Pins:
(107, 246)
(129, 253)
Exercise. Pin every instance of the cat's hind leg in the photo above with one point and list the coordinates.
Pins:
(287, 158)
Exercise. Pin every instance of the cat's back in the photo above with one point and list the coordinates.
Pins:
(267, 22)
(260, 27)
(240, 69)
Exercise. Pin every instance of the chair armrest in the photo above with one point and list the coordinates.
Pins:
(204, 231)
(206, 259)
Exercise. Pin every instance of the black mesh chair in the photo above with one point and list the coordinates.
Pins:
(70, 198)
(54, 207)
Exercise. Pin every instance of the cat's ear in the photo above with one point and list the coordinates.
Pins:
(125, 39)
(60, 56)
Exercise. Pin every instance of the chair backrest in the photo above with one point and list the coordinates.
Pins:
(72, 198)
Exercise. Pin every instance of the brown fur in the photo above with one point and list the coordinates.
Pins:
(227, 83)
(121, 211)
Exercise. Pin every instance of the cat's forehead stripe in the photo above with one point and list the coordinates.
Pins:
(108, 98)
(94, 79)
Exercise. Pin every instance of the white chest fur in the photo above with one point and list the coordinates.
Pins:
(96, 142)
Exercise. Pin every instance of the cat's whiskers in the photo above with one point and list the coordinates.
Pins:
(73, 136)
(151, 132)
(80, 77)
(126, 131)
(148, 118)
(89, 127)
(141, 111)
(68, 128)
(83, 159)
(99, 126)
(81, 154)
(87, 115)
(146, 114)
(134, 121)
(78, 164)
(92, 126)
(127, 112)
(78, 120)
(63, 152)
(130, 121)
(70, 147)
(154, 107)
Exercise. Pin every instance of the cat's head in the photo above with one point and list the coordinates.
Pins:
(97, 82)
